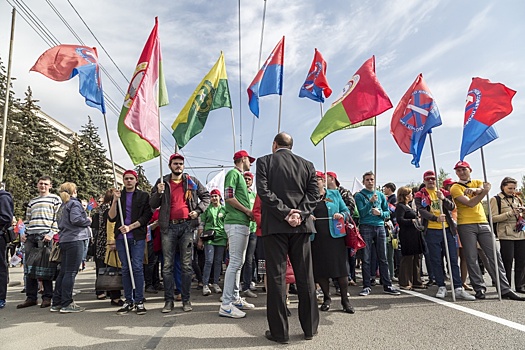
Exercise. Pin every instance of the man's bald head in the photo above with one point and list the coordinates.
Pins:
(283, 140)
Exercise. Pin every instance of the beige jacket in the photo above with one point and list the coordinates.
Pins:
(506, 220)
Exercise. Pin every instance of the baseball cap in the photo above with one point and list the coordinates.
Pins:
(132, 172)
(319, 174)
(447, 182)
(429, 174)
(243, 153)
(334, 175)
(175, 156)
(247, 173)
(462, 164)
(215, 191)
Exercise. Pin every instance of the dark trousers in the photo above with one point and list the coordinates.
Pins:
(297, 247)
(409, 273)
(72, 253)
(31, 283)
(198, 263)
(113, 294)
(249, 265)
(513, 251)
(4, 272)
(150, 279)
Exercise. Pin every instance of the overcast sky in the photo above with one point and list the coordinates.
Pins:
(448, 41)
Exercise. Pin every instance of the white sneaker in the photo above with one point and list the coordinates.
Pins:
(216, 288)
(231, 311)
(460, 293)
(206, 290)
(442, 293)
(242, 304)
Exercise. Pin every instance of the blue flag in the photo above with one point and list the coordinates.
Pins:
(316, 83)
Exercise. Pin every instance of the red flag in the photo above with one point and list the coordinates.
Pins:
(92, 204)
(316, 83)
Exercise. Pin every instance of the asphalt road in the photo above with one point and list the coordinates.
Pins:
(413, 320)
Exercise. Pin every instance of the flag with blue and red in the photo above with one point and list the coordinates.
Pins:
(316, 83)
(63, 62)
(20, 227)
(486, 104)
(269, 79)
(414, 117)
(92, 204)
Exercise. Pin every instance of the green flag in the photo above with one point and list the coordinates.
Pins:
(212, 93)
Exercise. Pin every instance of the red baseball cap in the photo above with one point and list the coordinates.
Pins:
(215, 191)
(447, 182)
(247, 173)
(243, 153)
(319, 174)
(132, 172)
(429, 174)
(334, 175)
(175, 156)
(462, 164)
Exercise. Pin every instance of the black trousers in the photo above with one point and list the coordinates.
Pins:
(514, 251)
(4, 272)
(297, 247)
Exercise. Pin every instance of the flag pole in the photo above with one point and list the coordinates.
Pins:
(445, 240)
(258, 67)
(233, 129)
(118, 202)
(160, 143)
(280, 106)
(324, 149)
(6, 103)
(240, 83)
(375, 154)
(496, 260)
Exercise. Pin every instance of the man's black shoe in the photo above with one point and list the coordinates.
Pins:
(269, 336)
(512, 296)
(522, 291)
(309, 337)
(480, 294)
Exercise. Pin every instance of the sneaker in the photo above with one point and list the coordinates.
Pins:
(242, 304)
(216, 288)
(206, 290)
(55, 308)
(186, 306)
(365, 291)
(71, 308)
(248, 293)
(320, 296)
(151, 289)
(140, 309)
(460, 293)
(2, 304)
(373, 282)
(127, 307)
(231, 311)
(253, 287)
(391, 290)
(168, 306)
(395, 279)
(442, 293)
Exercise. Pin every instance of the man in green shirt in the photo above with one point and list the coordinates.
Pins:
(236, 225)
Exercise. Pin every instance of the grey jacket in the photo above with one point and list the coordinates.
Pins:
(426, 215)
(73, 222)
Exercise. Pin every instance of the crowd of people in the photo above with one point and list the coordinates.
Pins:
(283, 229)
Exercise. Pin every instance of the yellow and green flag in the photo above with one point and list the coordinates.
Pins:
(212, 93)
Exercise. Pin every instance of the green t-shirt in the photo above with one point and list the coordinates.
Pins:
(213, 219)
(253, 224)
(235, 186)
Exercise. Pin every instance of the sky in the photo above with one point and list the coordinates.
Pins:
(449, 42)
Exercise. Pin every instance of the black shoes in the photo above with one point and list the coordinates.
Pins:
(168, 306)
(326, 305)
(349, 309)
(480, 294)
(512, 296)
(522, 291)
(269, 336)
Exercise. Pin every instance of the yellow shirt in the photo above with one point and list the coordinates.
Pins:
(434, 209)
(467, 215)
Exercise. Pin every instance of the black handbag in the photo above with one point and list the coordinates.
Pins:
(38, 264)
(56, 253)
(9, 234)
(109, 278)
(208, 235)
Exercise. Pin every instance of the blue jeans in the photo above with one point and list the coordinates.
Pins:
(213, 256)
(177, 235)
(72, 253)
(136, 252)
(238, 236)
(375, 235)
(436, 250)
(247, 269)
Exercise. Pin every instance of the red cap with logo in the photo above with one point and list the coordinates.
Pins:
(319, 174)
(215, 191)
(334, 175)
(176, 156)
(243, 153)
(462, 164)
(429, 174)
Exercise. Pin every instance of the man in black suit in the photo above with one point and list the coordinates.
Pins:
(287, 187)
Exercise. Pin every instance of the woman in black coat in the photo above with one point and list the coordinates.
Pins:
(411, 240)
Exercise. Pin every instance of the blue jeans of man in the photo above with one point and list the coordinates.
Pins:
(436, 249)
(177, 270)
(375, 235)
(213, 255)
(32, 283)
(177, 235)
(136, 252)
(238, 236)
(71, 259)
(247, 268)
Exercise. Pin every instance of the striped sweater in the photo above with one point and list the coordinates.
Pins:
(41, 215)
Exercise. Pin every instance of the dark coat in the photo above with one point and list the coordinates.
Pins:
(140, 211)
(411, 239)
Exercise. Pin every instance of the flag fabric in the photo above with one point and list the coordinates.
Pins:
(211, 93)
(362, 98)
(217, 182)
(20, 228)
(92, 204)
(316, 83)
(414, 117)
(138, 125)
(63, 62)
(269, 79)
(486, 104)
(357, 186)
(339, 226)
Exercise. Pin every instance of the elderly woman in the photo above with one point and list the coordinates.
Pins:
(73, 224)
(506, 209)
(329, 253)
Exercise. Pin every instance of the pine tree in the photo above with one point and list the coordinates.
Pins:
(73, 169)
(143, 182)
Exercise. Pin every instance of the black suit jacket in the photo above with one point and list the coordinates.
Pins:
(286, 181)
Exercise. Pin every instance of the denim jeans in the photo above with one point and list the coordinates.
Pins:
(177, 270)
(177, 235)
(238, 236)
(436, 249)
(71, 259)
(31, 283)
(213, 256)
(375, 235)
(247, 268)
(136, 252)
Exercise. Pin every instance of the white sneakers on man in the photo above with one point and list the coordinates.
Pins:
(442, 293)
(231, 311)
(461, 293)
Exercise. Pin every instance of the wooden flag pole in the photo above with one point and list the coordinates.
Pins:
(445, 240)
(494, 248)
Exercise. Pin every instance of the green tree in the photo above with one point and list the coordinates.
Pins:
(143, 182)
(442, 175)
(73, 169)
